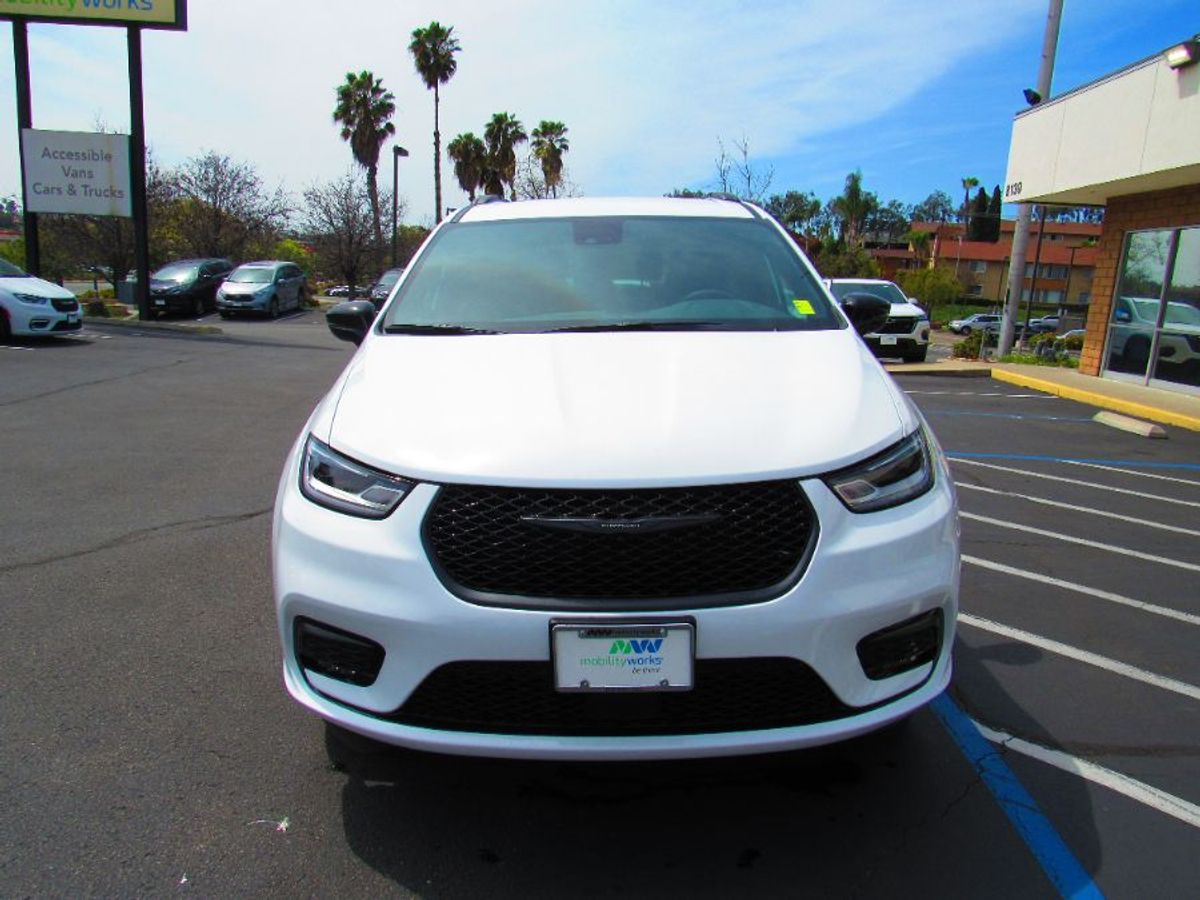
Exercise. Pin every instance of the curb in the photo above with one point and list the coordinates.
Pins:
(943, 371)
(148, 325)
(1092, 398)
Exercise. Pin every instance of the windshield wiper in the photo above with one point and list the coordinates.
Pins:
(681, 325)
(444, 328)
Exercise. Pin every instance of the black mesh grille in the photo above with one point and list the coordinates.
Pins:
(519, 698)
(898, 325)
(65, 305)
(738, 544)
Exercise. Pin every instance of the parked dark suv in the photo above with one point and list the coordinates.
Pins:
(187, 286)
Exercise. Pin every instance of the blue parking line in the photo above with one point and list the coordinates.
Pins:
(1031, 457)
(1055, 857)
(947, 412)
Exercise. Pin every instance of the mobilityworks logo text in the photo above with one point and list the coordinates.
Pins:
(635, 646)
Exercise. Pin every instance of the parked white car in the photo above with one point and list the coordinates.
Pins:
(32, 306)
(614, 479)
(905, 334)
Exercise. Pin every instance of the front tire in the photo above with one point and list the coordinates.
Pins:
(917, 356)
(965, 331)
(273, 310)
(198, 308)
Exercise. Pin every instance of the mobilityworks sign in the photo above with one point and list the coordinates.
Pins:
(147, 13)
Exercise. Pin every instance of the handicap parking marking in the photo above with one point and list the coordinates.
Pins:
(1051, 851)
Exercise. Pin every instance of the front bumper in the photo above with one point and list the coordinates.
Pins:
(33, 320)
(244, 304)
(372, 578)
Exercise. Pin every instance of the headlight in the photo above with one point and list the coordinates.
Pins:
(900, 473)
(31, 299)
(331, 480)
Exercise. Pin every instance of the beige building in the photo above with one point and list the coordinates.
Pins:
(1129, 142)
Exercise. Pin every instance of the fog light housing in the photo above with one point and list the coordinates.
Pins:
(337, 654)
(900, 648)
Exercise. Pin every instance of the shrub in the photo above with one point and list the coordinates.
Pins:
(968, 347)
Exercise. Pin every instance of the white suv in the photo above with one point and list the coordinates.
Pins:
(613, 479)
(905, 334)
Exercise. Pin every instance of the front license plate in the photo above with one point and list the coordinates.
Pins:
(160, 302)
(650, 657)
(888, 340)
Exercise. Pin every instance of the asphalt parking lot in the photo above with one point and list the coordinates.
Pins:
(149, 748)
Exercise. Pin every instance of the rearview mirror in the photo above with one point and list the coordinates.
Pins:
(350, 321)
(866, 312)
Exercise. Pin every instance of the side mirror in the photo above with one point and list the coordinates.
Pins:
(1122, 315)
(866, 312)
(352, 320)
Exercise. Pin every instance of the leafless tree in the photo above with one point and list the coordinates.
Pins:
(338, 221)
(530, 183)
(737, 175)
(224, 209)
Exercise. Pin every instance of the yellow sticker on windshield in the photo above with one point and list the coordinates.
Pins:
(803, 308)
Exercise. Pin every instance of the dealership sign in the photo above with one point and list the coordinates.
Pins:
(146, 13)
(76, 172)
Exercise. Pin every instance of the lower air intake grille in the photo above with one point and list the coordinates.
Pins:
(519, 698)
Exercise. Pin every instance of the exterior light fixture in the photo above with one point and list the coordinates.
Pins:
(1032, 97)
(1185, 54)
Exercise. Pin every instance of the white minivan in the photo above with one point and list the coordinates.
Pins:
(31, 306)
(614, 479)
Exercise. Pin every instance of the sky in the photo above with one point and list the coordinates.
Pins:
(916, 94)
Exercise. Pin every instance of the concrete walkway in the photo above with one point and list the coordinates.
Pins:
(1150, 403)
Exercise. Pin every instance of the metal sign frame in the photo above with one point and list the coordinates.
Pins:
(179, 23)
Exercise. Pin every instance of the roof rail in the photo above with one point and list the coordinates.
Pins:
(725, 195)
(478, 201)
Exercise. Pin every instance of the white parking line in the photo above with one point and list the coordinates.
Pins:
(1080, 482)
(1140, 605)
(1173, 806)
(1083, 656)
(1134, 472)
(1083, 542)
(1084, 509)
(982, 394)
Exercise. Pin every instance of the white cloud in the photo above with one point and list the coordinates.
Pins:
(645, 88)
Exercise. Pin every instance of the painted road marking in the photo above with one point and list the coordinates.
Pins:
(982, 394)
(1083, 542)
(1083, 656)
(1083, 589)
(1034, 457)
(1084, 509)
(984, 415)
(1139, 474)
(1089, 484)
(1051, 852)
(1139, 791)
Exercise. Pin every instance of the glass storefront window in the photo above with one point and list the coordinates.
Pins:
(1153, 340)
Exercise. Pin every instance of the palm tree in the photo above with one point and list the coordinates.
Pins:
(502, 134)
(853, 207)
(470, 159)
(549, 144)
(364, 110)
(967, 184)
(433, 50)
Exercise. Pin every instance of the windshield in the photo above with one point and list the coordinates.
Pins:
(389, 278)
(176, 272)
(886, 291)
(609, 273)
(8, 270)
(256, 275)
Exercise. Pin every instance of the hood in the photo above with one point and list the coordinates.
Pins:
(161, 285)
(36, 287)
(613, 409)
(244, 287)
(907, 309)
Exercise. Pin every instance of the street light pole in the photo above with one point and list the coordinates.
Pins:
(397, 152)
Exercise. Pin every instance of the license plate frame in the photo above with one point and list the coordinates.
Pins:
(888, 340)
(634, 663)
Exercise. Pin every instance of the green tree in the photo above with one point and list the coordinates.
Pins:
(838, 260)
(888, 222)
(469, 156)
(977, 227)
(934, 287)
(364, 110)
(794, 210)
(433, 49)
(937, 207)
(853, 207)
(503, 134)
(993, 212)
(967, 183)
(919, 242)
(549, 144)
